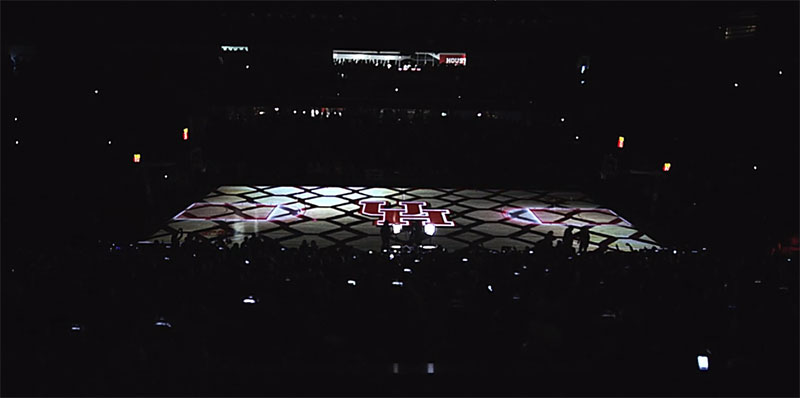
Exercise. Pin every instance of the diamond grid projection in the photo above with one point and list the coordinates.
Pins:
(332, 215)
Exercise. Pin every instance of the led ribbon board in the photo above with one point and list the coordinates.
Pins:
(381, 57)
(354, 216)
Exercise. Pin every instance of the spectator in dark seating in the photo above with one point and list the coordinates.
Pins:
(547, 242)
(559, 246)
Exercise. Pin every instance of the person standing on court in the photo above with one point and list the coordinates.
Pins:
(386, 234)
(567, 239)
(583, 239)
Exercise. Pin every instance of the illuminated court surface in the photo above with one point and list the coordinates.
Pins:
(353, 215)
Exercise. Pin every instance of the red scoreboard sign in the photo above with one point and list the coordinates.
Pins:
(453, 59)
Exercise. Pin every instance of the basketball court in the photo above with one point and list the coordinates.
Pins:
(353, 216)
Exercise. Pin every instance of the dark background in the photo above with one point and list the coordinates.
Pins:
(661, 74)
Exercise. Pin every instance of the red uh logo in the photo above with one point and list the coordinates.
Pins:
(410, 211)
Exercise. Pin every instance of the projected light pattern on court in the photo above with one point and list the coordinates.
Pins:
(334, 215)
(240, 211)
(575, 217)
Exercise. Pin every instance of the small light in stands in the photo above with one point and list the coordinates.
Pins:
(755, 167)
(583, 81)
(735, 84)
(97, 91)
(109, 142)
(464, 260)
(16, 142)
(351, 282)
(480, 114)
(620, 142)
(247, 262)
(396, 368)
(137, 158)
(261, 112)
(76, 328)
(247, 66)
(396, 228)
(577, 137)
(459, 97)
(444, 114)
(185, 133)
(277, 109)
(490, 288)
(165, 176)
(15, 119)
(391, 256)
(304, 112)
(562, 120)
(163, 323)
(294, 111)
(702, 362)
(430, 368)
(249, 300)
(397, 283)
(667, 166)
(780, 72)
(396, 89)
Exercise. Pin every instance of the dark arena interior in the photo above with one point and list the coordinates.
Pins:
(400, 199)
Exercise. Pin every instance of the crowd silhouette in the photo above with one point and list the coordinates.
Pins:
(206, 316)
